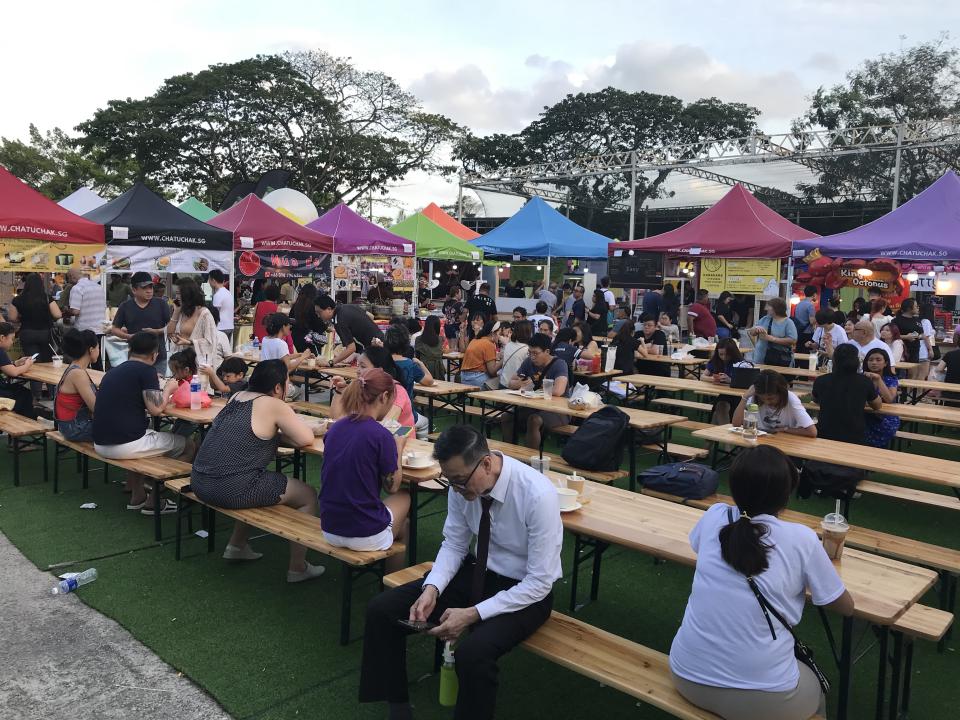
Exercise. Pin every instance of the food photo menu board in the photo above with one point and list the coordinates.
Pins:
(349, 271)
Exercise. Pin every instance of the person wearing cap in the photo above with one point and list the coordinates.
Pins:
(143, 313)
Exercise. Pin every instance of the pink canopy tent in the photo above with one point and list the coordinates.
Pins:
(252, 220)
(738, 226)
(354, 235)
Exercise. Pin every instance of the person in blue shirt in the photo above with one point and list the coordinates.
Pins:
(804, 315)
(412, 371)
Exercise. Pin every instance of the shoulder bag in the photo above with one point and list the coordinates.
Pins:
(803, 653)
(776, 354)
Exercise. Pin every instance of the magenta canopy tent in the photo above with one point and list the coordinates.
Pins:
(354, 235)
(927, 227)
(257, 226)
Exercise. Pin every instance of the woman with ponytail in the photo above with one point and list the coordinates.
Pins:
(726, 658)
(361, 458)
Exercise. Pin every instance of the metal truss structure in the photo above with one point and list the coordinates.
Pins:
(809, 148)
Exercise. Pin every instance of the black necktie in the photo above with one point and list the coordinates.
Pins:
(483, 548)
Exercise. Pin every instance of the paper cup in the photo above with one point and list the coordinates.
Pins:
(575, 483)
(417, 459)
(834, 529)
(568, 498)
(57, 361)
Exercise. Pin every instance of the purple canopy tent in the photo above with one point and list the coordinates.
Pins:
(926, 228)
(354, 235)
(362, 249)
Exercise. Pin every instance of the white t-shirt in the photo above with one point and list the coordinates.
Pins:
(838, 334)
(536, 319)
(724, 640)
(608, 296)
(223, 302)
(791, 415)
(864, 349)
(273, 349)
(928, 331)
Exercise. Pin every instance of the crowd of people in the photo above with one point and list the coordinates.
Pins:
(726, 657)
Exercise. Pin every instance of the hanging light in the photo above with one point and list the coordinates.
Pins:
(586, 269)
(454, 266)
(630, 252)
(436, 275)
(943, 287)
(912, 276)
(864, 272)
(794, 299)
(931, 274)
(539, 267)
(507, 265)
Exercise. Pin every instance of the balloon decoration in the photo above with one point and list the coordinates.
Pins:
(835, 273)
(292, 203)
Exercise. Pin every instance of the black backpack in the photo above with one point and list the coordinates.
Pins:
(598, 442)
(835, 481)
(688, 480)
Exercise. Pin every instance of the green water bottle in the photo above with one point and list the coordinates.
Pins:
(449, 685)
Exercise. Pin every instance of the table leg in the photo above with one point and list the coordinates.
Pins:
(429, 413)
(516, 424)
(882, 672)
(412, 536)
(846, 669)
(633, 458)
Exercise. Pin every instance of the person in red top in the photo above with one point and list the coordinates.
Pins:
(700, 320)
(265, 307)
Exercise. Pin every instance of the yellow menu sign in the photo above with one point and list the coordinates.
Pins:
(40, 256)
(748, 276)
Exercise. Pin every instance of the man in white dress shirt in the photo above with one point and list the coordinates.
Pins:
(864, 340)
(502, 592)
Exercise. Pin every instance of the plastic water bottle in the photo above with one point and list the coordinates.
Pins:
(751, 419)
(195, 401)
(449, 684)
(66, 586)
(255, 343)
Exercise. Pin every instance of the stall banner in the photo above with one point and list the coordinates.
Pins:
(136, 258)
(254, 264)
(740, 275)
(40, 256)
(349, 271)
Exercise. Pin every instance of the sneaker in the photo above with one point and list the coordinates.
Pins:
(312, 571)
(139, 506)
(167, 507)
(232, 552)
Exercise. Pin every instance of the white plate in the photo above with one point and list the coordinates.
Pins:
(418, 467)
(739, 430)
(575, 507)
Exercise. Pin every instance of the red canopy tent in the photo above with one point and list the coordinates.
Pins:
(271, 245)
(25, 214)
(738, 226)
(434, 213)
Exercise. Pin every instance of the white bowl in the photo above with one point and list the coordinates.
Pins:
(568, 498)
(417, 460)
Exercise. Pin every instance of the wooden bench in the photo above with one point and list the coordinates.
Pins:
(622, 664)
(311, 408)
(295, 526)
(154, 469)
(24, 432)
(922, 437)
(701, 407)
(523, 454)
(898, 492)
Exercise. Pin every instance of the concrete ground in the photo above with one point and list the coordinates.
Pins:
(60, 658)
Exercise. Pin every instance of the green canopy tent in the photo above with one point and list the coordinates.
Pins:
(193, 207)
(435, 243)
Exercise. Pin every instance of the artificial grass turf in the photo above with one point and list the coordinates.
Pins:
(264, 649)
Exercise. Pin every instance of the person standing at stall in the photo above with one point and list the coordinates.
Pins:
(222, 301)
(144, 313)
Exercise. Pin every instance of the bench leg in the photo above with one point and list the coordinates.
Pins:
(56, 469)
(157, 529)
(577, 547)
(883, 634)
(846, 669)
(896, 662)
(907, 678)
(346, 598)
(412, 519)
(181, 505)
(85, 469)
(211, 529)
(598, 549)
(16, 462)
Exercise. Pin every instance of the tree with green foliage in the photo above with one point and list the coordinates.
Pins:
(52, 163)
(342, 131)
(608, 121)
(914, 84)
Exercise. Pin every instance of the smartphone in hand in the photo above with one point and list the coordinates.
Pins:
(420, 626)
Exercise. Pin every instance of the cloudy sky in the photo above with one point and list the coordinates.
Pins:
(490, 65)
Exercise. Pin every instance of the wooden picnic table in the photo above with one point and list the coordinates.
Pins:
(442, 394)
(918, 389)
(639, 419)
(882, 589)
(933, 470)
(50, 375)
(921, 412)
(454, 360)
(202, 417)
(660, 382)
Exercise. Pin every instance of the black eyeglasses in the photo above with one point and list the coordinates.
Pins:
(460, 484)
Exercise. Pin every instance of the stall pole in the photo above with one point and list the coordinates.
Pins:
(789, 288)
(460, 199)
(546, 280)
(633, 194)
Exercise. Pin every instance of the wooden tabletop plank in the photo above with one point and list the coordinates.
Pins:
(706, 387)
(934, 470)
(882, 588)
(50, 375)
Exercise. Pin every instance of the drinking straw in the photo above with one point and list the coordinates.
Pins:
(838, 507)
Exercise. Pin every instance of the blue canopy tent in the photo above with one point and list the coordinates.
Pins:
(539, 231)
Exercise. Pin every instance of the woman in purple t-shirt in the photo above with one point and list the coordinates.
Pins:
(361, 458)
